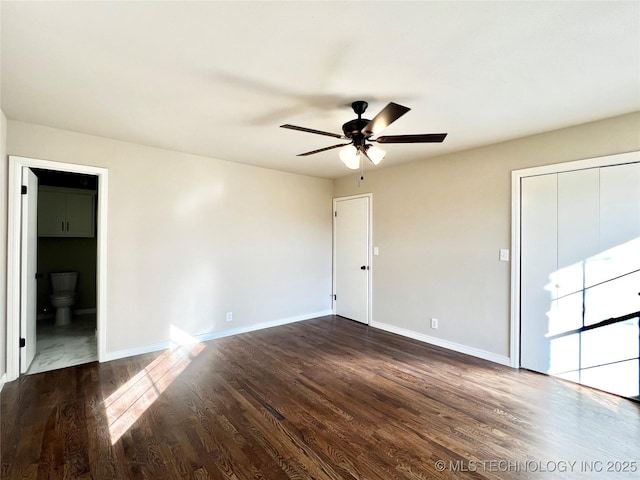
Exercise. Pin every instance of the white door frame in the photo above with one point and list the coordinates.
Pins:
(516, 177)
(369, 254)
(16, 165)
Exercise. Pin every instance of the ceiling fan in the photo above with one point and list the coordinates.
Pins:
(360, 130)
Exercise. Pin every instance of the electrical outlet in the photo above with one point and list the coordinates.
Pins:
(229, 316)
(434, 323)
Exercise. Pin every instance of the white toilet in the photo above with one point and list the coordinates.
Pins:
(64, 295)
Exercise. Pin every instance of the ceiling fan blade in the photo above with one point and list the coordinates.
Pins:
(424, 138)
(311, 130)
(384, 118)
(322, 149)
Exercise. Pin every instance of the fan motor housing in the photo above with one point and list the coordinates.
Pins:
(354, 127)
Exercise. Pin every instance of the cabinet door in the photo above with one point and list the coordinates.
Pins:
(51, 214)
(79, 221)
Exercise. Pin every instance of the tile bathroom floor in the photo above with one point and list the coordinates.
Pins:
(65, 346)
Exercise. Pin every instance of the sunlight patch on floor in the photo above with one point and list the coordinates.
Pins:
(125, 406)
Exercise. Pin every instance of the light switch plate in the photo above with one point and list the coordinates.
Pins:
(504, 254)
(376, 251)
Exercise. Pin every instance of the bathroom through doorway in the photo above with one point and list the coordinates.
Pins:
(66, 322)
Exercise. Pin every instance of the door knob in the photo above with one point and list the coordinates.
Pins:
(364, 267)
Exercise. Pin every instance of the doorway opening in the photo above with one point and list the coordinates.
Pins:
(66, 270)
(81, 192)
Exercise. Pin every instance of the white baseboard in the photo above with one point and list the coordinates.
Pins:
(274, 323)
(130, 352)
(3, 380)
(456, 347)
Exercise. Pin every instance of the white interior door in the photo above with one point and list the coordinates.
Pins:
(28, 268)
(351, 258)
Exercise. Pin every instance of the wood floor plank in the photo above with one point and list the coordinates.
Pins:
(322, 399)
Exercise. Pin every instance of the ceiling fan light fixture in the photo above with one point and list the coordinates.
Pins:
(375, 154)
(350, 156)
(361, 130)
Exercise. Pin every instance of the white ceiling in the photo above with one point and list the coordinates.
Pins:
(218, 78)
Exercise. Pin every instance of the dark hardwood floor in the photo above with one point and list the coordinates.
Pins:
(321, 399)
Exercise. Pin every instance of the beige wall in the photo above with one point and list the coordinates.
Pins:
(439, 224)
(191, 238)
(3, 241)
(3, 232)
